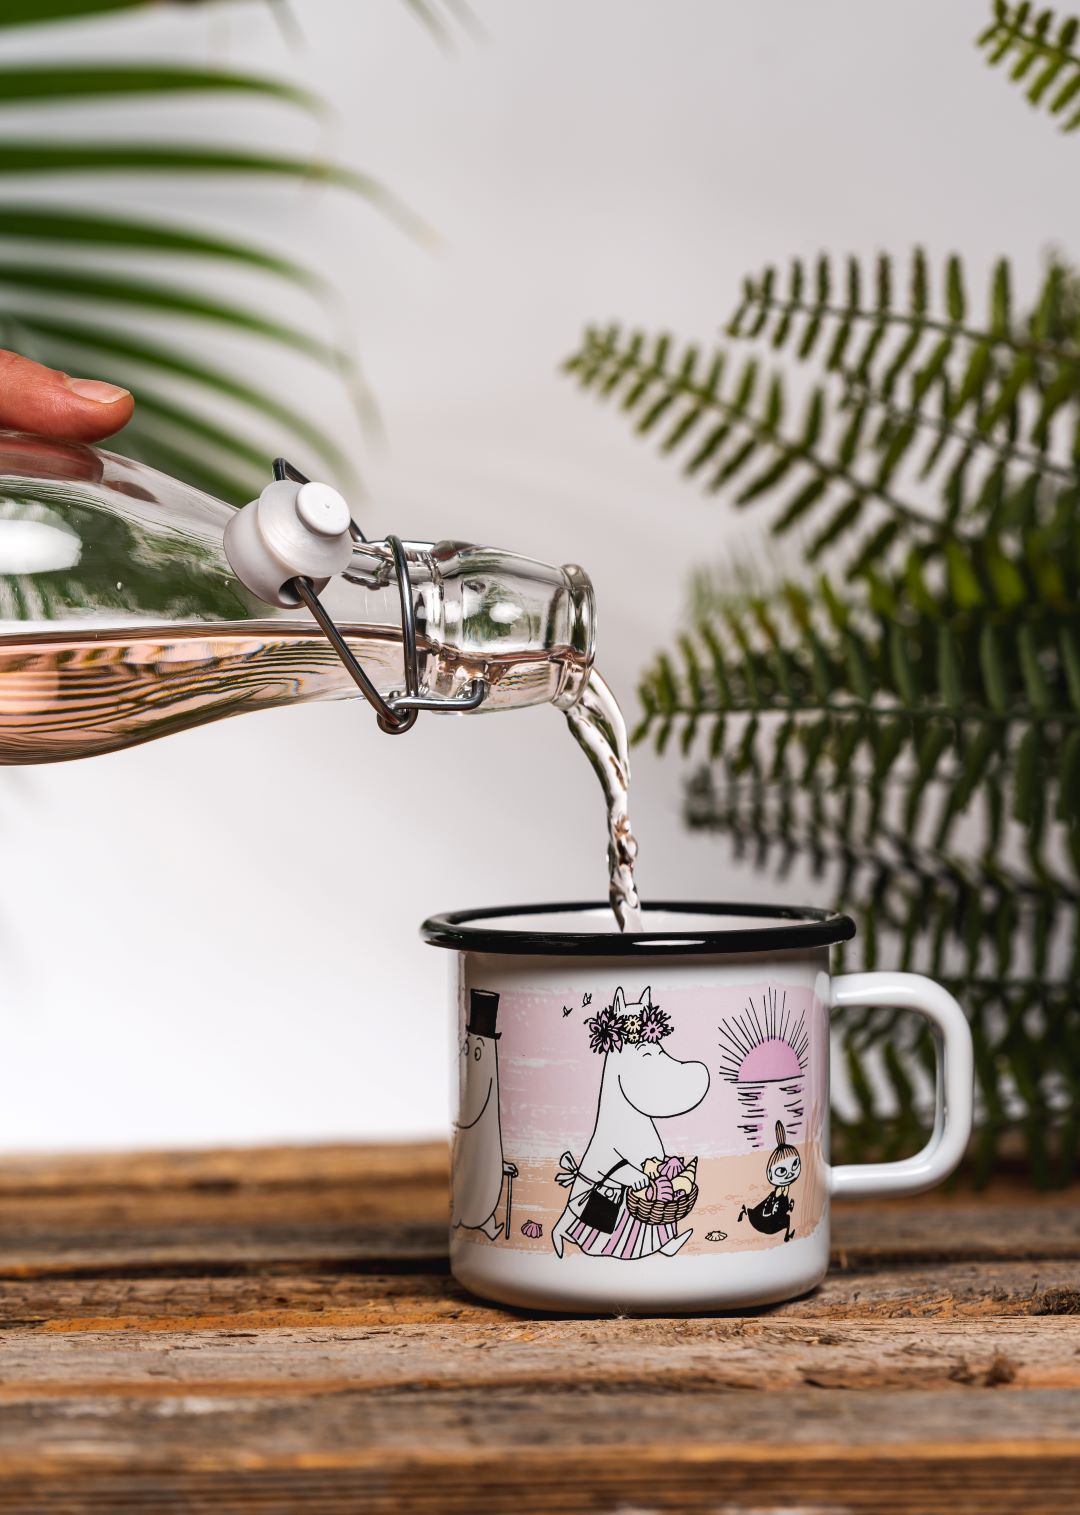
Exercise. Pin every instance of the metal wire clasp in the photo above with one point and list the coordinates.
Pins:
(398, 713)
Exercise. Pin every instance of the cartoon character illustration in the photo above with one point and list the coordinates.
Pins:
(763, 1052)
(479, 1165)
(773, 1214)
(640, 1084)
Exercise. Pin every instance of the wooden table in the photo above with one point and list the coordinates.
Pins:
(276, 1331)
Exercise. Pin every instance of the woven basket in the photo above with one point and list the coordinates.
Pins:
(660, 1212)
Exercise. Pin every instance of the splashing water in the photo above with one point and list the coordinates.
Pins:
(600, 732)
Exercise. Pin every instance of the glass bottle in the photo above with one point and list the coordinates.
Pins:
(122, 617)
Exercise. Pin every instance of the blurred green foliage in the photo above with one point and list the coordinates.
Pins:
(66, 301)
(904, 717)
(1039, 52)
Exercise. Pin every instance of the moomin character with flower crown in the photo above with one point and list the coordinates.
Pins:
(626, 1196)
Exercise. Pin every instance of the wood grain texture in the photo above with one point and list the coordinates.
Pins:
(165, 1301)
(625, 1355)
(277, 1329)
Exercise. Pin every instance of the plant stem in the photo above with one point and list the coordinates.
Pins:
(1039, 346)
(1008, 452)
(1022, 714)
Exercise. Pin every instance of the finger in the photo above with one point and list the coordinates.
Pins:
(50, 403)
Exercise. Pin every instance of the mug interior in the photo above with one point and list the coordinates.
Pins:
(597, 918)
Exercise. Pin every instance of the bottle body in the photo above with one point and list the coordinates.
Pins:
(121, 619)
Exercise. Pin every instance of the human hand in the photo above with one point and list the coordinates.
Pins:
(50, 403)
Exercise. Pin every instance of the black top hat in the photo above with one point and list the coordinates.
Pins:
(483, 1013)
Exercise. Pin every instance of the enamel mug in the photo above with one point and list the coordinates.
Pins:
(642, 1121)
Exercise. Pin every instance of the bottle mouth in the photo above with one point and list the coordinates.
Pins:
(581, 636)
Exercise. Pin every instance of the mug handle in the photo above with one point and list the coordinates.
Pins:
(955, 1083)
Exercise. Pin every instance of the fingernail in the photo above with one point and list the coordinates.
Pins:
(98, 390)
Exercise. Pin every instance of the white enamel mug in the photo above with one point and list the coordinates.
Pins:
(642, 1121)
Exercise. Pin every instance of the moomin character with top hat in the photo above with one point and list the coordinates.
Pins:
(479, 1168)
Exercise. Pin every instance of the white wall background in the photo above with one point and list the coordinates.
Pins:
(213, 939)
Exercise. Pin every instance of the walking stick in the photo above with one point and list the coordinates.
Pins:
(511, 1173)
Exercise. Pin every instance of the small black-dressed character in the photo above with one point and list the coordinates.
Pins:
(773, 1214)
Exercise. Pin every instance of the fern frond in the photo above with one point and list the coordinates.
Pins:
(734, 433)
(857, 324)
(774, 823)
(941, 428)
(1041, 54)
(924, 361)
(912, 397)
(909, 723)
(943, 689)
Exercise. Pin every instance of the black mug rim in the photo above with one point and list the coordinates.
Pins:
(796, 926)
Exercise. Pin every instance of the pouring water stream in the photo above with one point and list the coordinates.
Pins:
(600, 731)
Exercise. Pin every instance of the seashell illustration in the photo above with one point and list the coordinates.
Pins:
(660, 1188)
(532, 1229)
(671, 1167)
(716, 1236)
(683, 1184)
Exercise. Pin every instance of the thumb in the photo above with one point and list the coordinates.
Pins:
(50, 403)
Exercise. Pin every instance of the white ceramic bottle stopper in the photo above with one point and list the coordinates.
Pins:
(291, 531)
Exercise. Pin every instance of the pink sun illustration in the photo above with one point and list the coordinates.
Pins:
(768, 1061)
(763, 1052)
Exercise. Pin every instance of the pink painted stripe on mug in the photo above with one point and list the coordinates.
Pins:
(629, 1246)
(584, 1235)
(615, 1239)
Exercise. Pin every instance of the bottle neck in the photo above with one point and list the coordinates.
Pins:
(524, 628)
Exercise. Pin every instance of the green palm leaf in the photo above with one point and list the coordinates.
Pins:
(125, 353)
(20, 156)
(56, 84)
(440, 20)
(166, 416)
(35, 12)
(167, 299)
(61, 311)
(89, 228)
(150, 445)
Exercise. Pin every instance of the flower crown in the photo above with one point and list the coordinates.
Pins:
(611, 1032)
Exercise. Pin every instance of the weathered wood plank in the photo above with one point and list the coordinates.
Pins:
(223, 1210)
(323, 1230)
(204, 1170)
(321, 1164)
(648, 1357)
(271, 1244)
(945, 1290)
(271, 1330)
(260, 1300)
(383, 1209)
(274, 1330)
(432, 1427)
(254, 1301)
(699, 1480)
(979, 1228)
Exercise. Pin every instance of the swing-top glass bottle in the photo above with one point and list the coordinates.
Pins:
(132, 606)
